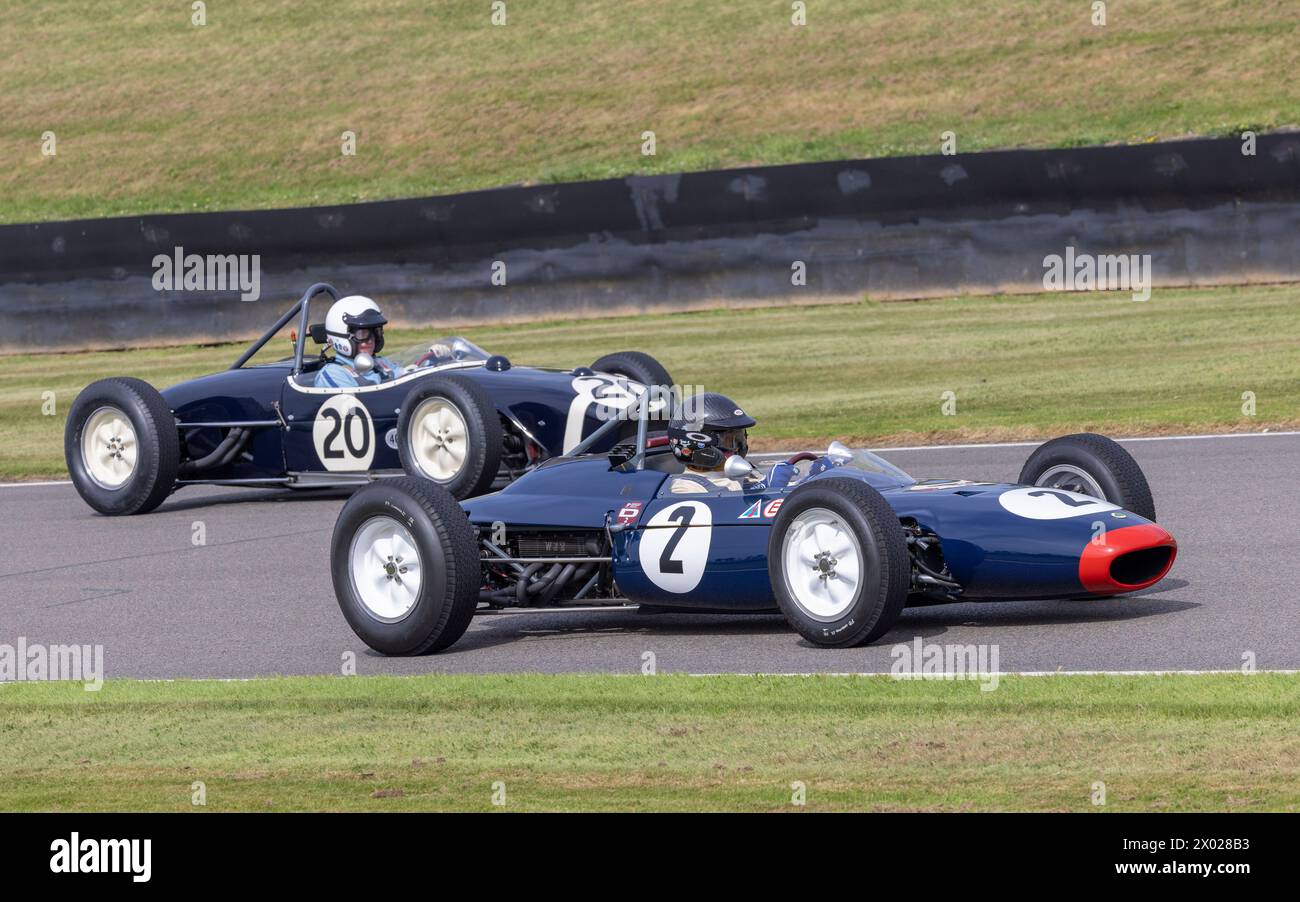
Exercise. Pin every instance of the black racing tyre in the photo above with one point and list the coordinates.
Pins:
(640, 367)
(394, 607)
(449, 432)
(121, 446)
(1093, 465)
(838, 561)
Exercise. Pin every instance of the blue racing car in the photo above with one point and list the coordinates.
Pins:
(448, 412)
(838, 541)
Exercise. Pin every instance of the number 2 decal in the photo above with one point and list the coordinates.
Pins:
(674, 546)
(1051, 504)
(344, 434)
(682, 515)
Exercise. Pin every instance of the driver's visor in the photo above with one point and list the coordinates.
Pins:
(367, 334)
(733, 440)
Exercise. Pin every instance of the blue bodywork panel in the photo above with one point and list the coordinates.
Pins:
(710, 550)
(554, 408)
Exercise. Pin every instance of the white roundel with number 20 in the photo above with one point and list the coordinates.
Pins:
(675, 546)
(344, 434)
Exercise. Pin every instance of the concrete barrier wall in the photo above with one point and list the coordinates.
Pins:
(888, 228)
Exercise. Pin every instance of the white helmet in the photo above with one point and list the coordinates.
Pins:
(348, 314)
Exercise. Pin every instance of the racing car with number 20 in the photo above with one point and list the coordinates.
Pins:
(462, 418)
(839, 547)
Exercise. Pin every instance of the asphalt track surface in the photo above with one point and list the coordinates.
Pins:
(256, 599)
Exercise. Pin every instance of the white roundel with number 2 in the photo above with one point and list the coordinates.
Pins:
(344, 434)
(1051, 504)
(675, 546)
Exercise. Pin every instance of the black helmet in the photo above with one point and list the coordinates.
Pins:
(707, 428)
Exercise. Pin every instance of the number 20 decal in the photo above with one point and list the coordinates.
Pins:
(344, 434)
(675, 546)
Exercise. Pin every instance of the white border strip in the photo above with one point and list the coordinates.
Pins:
(1140, 438)
(586, 673)
(909, 678)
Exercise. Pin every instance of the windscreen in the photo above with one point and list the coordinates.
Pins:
(452, 349)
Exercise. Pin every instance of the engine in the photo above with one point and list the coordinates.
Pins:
(546, 568)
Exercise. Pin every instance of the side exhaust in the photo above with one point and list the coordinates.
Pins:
(1128, 559)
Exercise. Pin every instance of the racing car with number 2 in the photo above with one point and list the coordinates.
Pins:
(839, 545)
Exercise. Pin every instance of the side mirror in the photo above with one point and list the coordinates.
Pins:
(737, 467)
(839, 451)
(363, 363)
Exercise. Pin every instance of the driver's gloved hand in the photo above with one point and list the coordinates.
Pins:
(780, 476)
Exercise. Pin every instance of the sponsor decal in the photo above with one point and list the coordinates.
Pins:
(757, 511)
(628, 513)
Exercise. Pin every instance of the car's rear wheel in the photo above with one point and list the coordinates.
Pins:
(121, 446)
(838, 562)
(405, 565)
(449, 433)
(1092, 465)
(641, 367)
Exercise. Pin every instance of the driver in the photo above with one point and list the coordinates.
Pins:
(355, 326)
(707, 429)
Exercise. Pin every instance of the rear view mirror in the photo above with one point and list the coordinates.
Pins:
(737, 467)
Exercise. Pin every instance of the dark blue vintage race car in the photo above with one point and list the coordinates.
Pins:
(840, 549)
(463, 418)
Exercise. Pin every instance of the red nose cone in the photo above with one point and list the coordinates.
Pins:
(1127, 559)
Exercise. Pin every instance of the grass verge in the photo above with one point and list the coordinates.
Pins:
(1018, 367)
(1199, 742)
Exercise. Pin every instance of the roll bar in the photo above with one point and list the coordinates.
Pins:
(642, 432)
(303, 307)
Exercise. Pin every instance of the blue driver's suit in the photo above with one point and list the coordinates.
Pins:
(341, 373)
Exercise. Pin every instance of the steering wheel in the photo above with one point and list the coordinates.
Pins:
(802, 455)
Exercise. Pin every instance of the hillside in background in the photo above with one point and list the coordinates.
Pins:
(151, 113)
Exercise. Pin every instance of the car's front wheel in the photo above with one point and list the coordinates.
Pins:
(121, 446)
(405, 565)
(449, 433)
(838, 561)
(1092, 465)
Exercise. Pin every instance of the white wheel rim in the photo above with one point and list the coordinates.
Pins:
(109, 448)
(823, 563)
(1073, 479)
(385, 569)
(438, 439)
